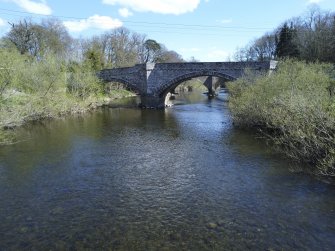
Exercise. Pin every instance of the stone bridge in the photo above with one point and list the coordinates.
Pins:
(154, 81)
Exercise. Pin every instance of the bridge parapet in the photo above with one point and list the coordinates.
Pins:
(224, 65)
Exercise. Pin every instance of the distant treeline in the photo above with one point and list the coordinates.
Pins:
(115, 48)
(310, 38)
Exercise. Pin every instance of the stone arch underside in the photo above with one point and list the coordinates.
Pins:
(173, 83)
(126, 82)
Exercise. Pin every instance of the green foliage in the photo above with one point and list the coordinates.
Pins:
(94, 54)
(286, 46)
(44, 73)
(8, 62)
(82, 82)
(33, 89)
(152, 49)
(40, 77)
(294, 108)
(92, 59)
(192, 84)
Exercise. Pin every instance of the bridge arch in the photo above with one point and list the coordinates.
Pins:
(127, 83)
(173, 83)
(154, 81)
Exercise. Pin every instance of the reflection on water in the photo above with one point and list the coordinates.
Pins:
(178, 179)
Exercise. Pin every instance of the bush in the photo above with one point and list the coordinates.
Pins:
(39, 88)
(293, 107)
(82, 82)
(9, 62)
(40, 77)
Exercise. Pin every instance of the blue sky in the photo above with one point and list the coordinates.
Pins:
(209, 30)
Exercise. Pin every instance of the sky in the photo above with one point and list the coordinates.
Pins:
(208, 30)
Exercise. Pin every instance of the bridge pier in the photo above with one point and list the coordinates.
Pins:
(209, 83)
(152, 101)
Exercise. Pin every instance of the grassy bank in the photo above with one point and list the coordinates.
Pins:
(294, 108)
(33, 89)
(193, 84)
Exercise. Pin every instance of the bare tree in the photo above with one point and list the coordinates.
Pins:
(121, 47)
(22, 36)
(167, 56)
(311, 38)
(38, 40)
(55, 37)
(265, 47)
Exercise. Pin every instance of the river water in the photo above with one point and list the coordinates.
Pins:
(178, 179)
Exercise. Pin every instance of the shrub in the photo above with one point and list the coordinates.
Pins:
(40, 76)
(293, 107)
(82, 82)
(10, 63)
(34, 89)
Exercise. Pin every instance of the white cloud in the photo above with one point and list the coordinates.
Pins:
(39, 7)
(314, 1)
(124, 12)
(176, 7)
(2, 22)
(96, 21)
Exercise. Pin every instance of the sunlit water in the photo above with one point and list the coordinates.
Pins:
(179, 179)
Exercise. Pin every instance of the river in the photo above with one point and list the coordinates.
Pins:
(179, 179)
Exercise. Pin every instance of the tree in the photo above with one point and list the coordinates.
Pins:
(167, 56)
(245, 54)
(152, 49)
(92, 58)
(310, 37)
(286, 46)
(39, 40)
(121, 47)
(22, 36)
(55, 37)
(265, 47)
(93, 53)
(318, 38)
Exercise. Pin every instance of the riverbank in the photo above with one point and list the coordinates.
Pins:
(294, 108)
(32, 90)
(23, 109)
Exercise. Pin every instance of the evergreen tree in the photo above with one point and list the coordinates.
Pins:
(152, 50)
(92, 57)
(286, 46)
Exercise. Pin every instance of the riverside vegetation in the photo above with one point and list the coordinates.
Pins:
(45, 73)
(32, 90)
(294, 108)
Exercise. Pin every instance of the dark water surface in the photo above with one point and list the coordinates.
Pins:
(179, 179)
